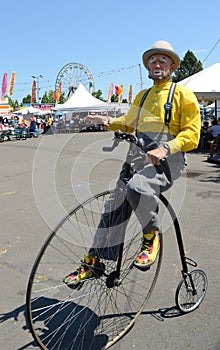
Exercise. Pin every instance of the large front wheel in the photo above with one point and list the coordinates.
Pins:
(97, 313)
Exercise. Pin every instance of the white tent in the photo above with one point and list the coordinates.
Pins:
(28, 110)
(82, 100)
(210, 107)
(206, 83)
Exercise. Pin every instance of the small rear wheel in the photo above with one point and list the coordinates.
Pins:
(191, 291)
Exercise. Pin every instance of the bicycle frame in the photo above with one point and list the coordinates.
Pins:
(135, 144)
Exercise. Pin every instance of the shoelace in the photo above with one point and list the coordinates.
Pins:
(146, 244)
(84, 265)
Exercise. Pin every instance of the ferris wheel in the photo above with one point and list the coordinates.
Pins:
(71, 75)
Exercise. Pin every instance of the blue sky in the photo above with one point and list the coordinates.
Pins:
(108, 37)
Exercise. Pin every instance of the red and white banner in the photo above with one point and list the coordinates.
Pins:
(33, 95)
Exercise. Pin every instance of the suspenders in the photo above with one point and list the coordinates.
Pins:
(167, 106)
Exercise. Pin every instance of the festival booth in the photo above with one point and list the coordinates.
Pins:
(28, 110)
(83, 102)
(206, 86)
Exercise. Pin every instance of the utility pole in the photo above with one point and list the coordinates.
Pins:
(141, 80)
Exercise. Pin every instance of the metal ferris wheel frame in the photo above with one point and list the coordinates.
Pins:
(71, 75)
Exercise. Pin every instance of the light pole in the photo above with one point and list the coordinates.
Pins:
(38, 87)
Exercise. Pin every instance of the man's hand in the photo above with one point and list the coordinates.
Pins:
(156, 155)
(98, 119)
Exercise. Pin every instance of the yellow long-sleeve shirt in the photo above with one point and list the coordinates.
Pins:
(185, 120)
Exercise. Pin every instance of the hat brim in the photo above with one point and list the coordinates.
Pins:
(147, 54)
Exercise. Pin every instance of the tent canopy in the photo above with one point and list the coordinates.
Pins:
(82, 100)
(206, 83)
(28, 110)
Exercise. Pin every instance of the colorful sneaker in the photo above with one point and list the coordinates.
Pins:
(149, 250)
(84, 271)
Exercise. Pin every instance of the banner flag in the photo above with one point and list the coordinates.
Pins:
(110, 92)
(33, 96)
(58, 93)
(120, 94)
(130, 94)
(91, 87)
(11, 84)
(4, 84)
(118, 90)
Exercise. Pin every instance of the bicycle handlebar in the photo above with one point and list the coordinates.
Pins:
(136, 152)
(124, 136)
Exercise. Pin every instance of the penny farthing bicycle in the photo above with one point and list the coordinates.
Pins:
(96, 313)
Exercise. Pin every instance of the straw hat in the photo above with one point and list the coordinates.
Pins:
(162, 47)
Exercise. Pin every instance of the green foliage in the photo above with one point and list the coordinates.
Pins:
(26, 99)
(188, 66)
(62, 98)
(114, 98)
(98, 94)
(12, 103)
(48, 97)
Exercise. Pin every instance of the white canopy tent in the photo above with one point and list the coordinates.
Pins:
(205, 84)
(82, 100)
(28, 110)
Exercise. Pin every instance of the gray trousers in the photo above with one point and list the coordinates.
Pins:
(141, 196)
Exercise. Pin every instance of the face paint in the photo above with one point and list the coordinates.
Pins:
(160, 68)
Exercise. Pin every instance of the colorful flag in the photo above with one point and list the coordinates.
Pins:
(130, 94)
(55, 96)
(33, 96)
(118, 90)
(4, 84)
(91, 87)
(110, 92)
(58, 92)
(11, 84)
(120, 94)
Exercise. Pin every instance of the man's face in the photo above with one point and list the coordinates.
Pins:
(160, 68)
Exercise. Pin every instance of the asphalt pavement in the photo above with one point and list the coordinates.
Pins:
(42, 178)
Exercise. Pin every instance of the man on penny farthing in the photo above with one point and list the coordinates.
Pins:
(167, 118)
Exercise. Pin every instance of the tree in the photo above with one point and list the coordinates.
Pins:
(62, 98)
(188, 66)
(114, 98)
(12, 103)
(48, 97)
(98, 94)
(26, 99)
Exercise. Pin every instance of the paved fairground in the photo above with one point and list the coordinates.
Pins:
(42, 178)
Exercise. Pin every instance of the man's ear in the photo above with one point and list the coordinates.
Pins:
(173, 67)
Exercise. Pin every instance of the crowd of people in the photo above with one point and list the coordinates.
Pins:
(209, 131)
(59, 123)
(23, 127)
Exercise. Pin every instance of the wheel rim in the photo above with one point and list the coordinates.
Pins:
(186, 299)
(93, 316)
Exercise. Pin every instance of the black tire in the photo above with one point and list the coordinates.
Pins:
(96, 314)
(191, 291)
